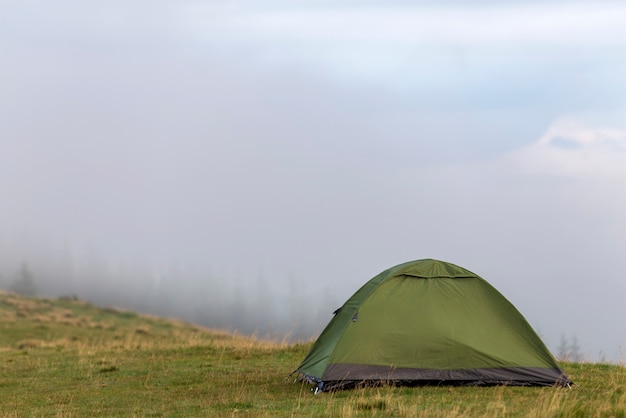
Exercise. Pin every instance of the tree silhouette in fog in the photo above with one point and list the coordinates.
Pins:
(569, 350)
(24, 283)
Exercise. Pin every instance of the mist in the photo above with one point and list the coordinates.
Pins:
(249, 168)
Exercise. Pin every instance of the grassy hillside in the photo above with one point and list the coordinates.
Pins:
(68, 358)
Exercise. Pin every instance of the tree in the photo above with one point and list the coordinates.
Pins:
(563, 349)
(24, 284)
(569, 351)
(575, 353)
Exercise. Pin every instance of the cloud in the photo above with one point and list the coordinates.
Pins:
(578, 148)
(482, 55)
(325, 143)
(520, 23)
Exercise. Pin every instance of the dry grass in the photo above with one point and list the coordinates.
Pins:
(70, 358)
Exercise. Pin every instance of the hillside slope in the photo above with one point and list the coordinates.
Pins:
(66, 357)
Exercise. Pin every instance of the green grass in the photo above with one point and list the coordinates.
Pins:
(68, 358)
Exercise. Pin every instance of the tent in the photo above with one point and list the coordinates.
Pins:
(428, 322)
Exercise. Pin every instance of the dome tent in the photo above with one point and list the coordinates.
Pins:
(428, 321)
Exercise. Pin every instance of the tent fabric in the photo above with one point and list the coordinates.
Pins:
(429, 321)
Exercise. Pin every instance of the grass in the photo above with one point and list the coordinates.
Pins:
(68, 358)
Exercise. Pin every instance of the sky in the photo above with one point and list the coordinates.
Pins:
(318, 144)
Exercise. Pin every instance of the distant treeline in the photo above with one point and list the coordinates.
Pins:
(274, 307)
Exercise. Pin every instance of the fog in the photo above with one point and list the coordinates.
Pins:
(248, 167)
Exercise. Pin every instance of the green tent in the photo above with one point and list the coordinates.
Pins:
(429, 321)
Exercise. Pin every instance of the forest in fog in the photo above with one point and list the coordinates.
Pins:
(269, 307)
(282, 308)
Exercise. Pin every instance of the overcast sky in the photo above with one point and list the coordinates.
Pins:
(327, 143)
